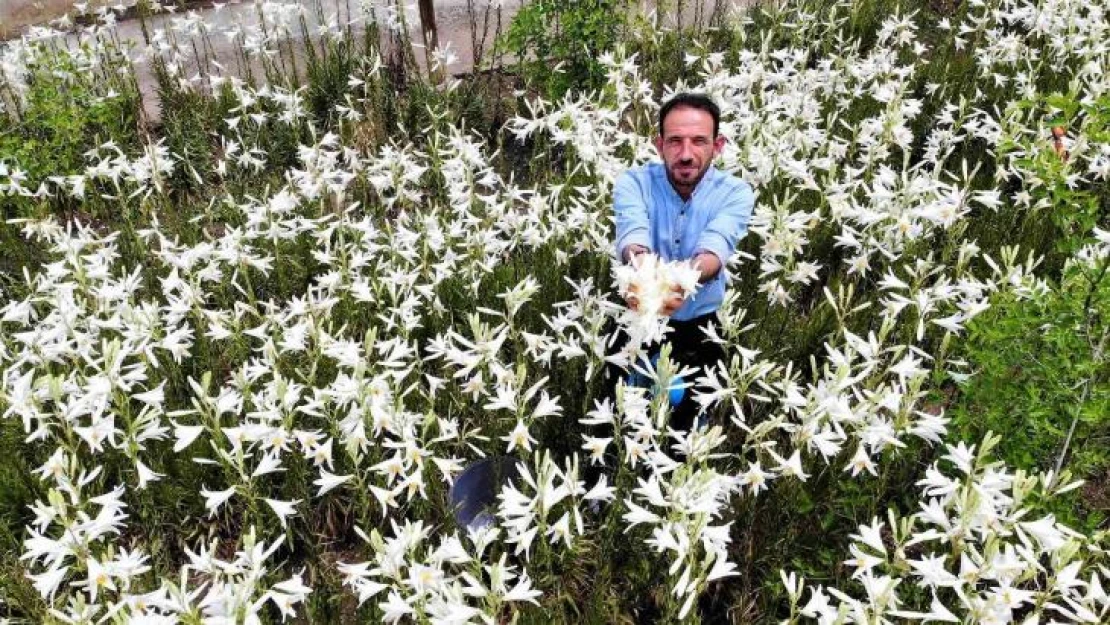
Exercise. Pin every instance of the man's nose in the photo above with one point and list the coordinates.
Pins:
(685, 151)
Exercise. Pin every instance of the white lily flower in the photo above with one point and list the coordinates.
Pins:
(329, 481)
(214, 499)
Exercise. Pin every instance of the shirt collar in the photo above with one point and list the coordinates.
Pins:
(702, 184)
(705, 180)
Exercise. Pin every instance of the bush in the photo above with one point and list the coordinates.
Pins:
(1040, 363)
(557, 42)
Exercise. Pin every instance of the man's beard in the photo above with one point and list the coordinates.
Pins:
(685, 185)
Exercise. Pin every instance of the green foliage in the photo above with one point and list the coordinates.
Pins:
(327, 71)
(1041, 369)
(186, 118)
(18, 491)
(557, 42)
(1074, 209)
(68, 111)
(1042, 374)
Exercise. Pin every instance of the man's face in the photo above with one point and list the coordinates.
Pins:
(687, 147)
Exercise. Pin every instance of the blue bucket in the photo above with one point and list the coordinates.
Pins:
(473, 496)
(675, 391)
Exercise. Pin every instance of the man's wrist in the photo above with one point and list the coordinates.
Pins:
(634, 250)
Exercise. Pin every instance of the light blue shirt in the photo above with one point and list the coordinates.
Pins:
(649, 212)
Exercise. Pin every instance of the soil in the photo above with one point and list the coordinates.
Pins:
(1095, 494)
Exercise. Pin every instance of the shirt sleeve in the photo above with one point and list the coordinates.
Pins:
(630, 214)
(729, 224)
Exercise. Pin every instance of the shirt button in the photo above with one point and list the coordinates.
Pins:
(676, 241)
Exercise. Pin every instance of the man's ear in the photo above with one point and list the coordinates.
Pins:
(718, 145)
(659, 145)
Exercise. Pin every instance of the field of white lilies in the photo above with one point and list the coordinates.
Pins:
(247, 348)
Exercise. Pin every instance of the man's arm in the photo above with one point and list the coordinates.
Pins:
(632, 218)
(718, 240)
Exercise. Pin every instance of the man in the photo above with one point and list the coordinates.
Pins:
(685, 209)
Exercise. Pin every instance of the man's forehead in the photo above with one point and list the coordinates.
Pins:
(688, 121)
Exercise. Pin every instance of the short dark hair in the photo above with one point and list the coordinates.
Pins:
(698, 101)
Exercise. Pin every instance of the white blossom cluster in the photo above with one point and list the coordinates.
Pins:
(973, 548)
(653, 282)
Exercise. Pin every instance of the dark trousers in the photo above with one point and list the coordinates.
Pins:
(689, 348)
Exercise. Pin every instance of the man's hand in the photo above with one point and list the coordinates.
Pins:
(708, 264)
(633, 252)
(672, 304)
(631, 299)
(632, 255)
